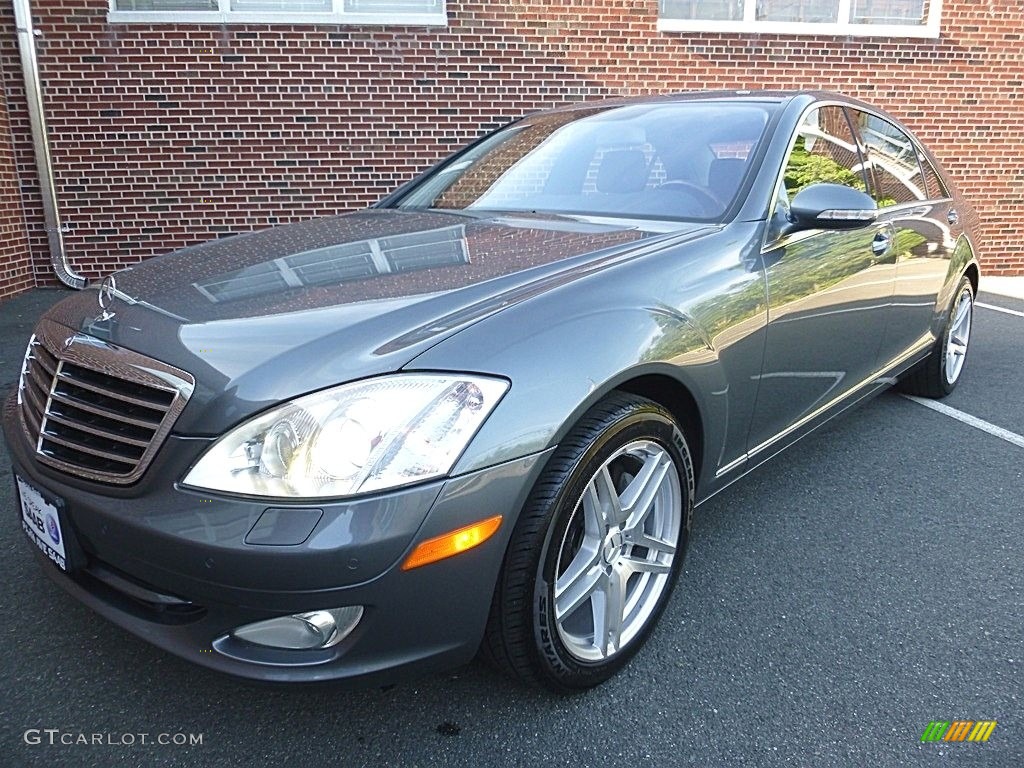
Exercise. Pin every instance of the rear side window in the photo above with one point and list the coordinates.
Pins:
(936, 189)
(892, 160)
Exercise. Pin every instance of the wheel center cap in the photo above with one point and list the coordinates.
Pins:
(612, 548)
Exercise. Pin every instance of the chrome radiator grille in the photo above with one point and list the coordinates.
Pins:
(94, 409)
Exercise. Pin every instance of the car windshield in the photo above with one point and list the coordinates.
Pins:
(668, 160)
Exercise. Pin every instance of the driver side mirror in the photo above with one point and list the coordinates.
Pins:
(830, 206)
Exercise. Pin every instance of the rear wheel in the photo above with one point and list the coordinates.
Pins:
(938, 374)
(597, 549)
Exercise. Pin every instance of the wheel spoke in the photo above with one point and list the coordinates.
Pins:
(959, 336)
(962, 312)
(594, 518)
(640, 565)
(653, 543)
(574, 587)
(601, 503)
(960, 327)
(638, 498)
(608, 605)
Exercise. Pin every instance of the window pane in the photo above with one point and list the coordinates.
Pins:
(672, 161)
(166, 5)
(281, 5)
(889, 11)
(893, 160)
(825, 151)
(798, 10)
(393, 6)
(936, 189)
(730, 10)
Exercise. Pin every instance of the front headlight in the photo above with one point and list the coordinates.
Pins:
(360, 437)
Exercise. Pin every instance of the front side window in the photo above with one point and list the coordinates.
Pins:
(824, 150)
(292, 11)
(908, 18)
(892, 158)
(682, 160)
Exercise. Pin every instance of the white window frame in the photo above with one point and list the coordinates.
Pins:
(224, 15)
(749, 24)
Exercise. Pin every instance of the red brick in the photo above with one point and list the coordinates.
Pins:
(149, 123)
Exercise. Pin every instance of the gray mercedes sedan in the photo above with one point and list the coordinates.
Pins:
(478, 416)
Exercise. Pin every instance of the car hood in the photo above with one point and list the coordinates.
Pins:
(262, 317)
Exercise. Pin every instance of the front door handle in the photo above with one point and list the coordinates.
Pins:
(882, 241)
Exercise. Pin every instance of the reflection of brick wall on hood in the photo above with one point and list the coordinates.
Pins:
(494, 249)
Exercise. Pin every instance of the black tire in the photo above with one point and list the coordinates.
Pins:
(522, 638)
(929, 377)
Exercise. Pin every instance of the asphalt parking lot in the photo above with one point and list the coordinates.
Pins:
(834, 602)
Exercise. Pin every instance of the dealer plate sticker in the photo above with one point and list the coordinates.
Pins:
(41, 522)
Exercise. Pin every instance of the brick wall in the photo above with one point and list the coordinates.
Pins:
(165, 135)
(16, 268)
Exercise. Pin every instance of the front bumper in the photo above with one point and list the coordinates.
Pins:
(180, 570)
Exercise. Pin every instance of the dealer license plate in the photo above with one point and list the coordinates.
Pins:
(41, 522)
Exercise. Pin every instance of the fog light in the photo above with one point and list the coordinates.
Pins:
(303, 631)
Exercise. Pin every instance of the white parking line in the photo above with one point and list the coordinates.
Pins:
(974, 421)
(983, 305)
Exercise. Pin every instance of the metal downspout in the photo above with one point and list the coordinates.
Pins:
(44, 166)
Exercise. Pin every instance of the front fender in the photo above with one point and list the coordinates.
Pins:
(569, 363)
(693, 316)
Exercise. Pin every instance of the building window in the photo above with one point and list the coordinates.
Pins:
(893, 18)
(405, 12)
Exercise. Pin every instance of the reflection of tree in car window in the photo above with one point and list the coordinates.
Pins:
(824, 151)
(808, 167)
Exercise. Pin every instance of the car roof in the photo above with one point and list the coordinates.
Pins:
(733, 96)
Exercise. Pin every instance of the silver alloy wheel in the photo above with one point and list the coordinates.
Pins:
(616, 556)
(959, 335)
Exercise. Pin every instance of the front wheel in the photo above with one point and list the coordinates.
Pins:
(938, 374)
(597, 549)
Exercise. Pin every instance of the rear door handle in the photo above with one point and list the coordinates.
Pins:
(952, 217)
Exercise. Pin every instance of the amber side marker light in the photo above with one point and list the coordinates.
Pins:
(452, 543)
